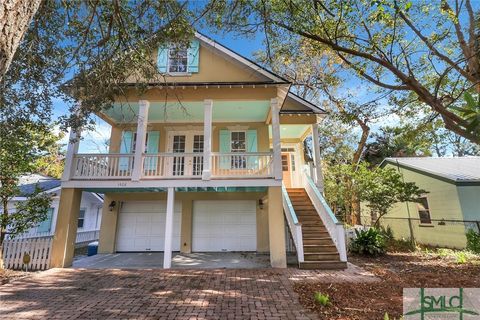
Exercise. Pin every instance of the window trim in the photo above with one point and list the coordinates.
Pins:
(173, 73)
(427, 210)
(246, 142)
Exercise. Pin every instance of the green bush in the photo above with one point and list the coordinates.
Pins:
(322, 299)
(473, 241)
(368, 242)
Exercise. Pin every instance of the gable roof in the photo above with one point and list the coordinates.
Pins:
(28, 183)
(245, 61)
(296, 104)
(460, 170)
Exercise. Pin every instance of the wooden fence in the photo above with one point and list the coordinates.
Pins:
(39, 249)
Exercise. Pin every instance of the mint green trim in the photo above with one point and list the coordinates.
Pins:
(322, 199)
(225, 147)
(289, 205)
(192, 111)
(178, 189)
(46, 225)
(193, 56)
(125, 147)
(162, 59)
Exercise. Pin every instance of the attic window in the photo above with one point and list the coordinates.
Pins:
(177, 59)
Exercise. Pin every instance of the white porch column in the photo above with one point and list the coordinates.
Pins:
(207, 139)
(167, 252)
(143, 106)
(276, 145)
(72, 150)
(317, 157)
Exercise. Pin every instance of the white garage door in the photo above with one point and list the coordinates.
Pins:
(224, 226)
(141, 226)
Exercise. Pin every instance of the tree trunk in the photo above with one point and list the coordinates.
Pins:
(3, 228)
(15, 17)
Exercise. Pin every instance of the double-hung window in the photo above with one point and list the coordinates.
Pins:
(178, 59)
(238, 144)
(424, 210)
(81, 218)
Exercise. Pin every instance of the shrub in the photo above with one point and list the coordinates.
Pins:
(473, 241)
(369, 242)
(322, 299)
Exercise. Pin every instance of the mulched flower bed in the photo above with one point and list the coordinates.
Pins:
(396, 271)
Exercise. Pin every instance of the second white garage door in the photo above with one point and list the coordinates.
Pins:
(141, 226)
(228, 225)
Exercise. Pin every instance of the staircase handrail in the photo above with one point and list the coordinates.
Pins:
(293, 224)
(334, 227)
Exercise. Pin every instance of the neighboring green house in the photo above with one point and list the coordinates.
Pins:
(448, 210)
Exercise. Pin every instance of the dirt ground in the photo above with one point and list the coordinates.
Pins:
(396, 271)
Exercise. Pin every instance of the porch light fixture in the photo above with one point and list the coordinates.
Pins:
(112, 205)
(260, 204)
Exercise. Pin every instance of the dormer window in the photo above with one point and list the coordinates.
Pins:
(177, 60)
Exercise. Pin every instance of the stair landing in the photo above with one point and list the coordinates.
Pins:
(319, 250)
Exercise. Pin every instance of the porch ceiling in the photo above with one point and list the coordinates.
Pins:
(291, 131)
(223, 111)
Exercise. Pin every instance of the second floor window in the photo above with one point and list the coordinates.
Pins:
(177, 60)
(424, 211)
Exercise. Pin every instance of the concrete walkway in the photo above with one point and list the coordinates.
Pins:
(154, 260)
(164, 294)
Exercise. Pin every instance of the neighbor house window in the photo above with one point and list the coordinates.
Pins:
(238, 144)
(177, 59)
(423, 210)
(81, 218)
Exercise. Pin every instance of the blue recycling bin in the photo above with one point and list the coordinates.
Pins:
(92, 248)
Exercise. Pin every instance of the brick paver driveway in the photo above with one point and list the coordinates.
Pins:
(160, 294)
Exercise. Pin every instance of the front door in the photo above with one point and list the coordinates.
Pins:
(187, 145)
(287, 170)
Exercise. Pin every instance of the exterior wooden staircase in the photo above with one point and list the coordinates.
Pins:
(319, 250)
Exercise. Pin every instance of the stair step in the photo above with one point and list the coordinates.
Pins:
(315, 233)
(319, 241)
(319, 248)
(323, 265)
(310, 256)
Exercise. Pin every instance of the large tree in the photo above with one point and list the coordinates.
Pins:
(421, 51)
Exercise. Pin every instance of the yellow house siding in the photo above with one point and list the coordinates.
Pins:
(443, 202)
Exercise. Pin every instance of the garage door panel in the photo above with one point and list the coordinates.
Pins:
(224, 225)
(141, 226)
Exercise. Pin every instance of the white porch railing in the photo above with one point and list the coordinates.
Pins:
(242, 165)
(82, 236)
(333, 226)
(39, 249)
(173, 166)
(87, 236)
(293, 223)
(102, 166)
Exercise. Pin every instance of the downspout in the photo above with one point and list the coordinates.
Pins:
(410, 227)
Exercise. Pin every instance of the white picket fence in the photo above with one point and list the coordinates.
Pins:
(39, 249)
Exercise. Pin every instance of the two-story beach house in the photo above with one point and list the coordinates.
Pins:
(209, 160)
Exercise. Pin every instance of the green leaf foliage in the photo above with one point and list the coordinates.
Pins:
(368, 242)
